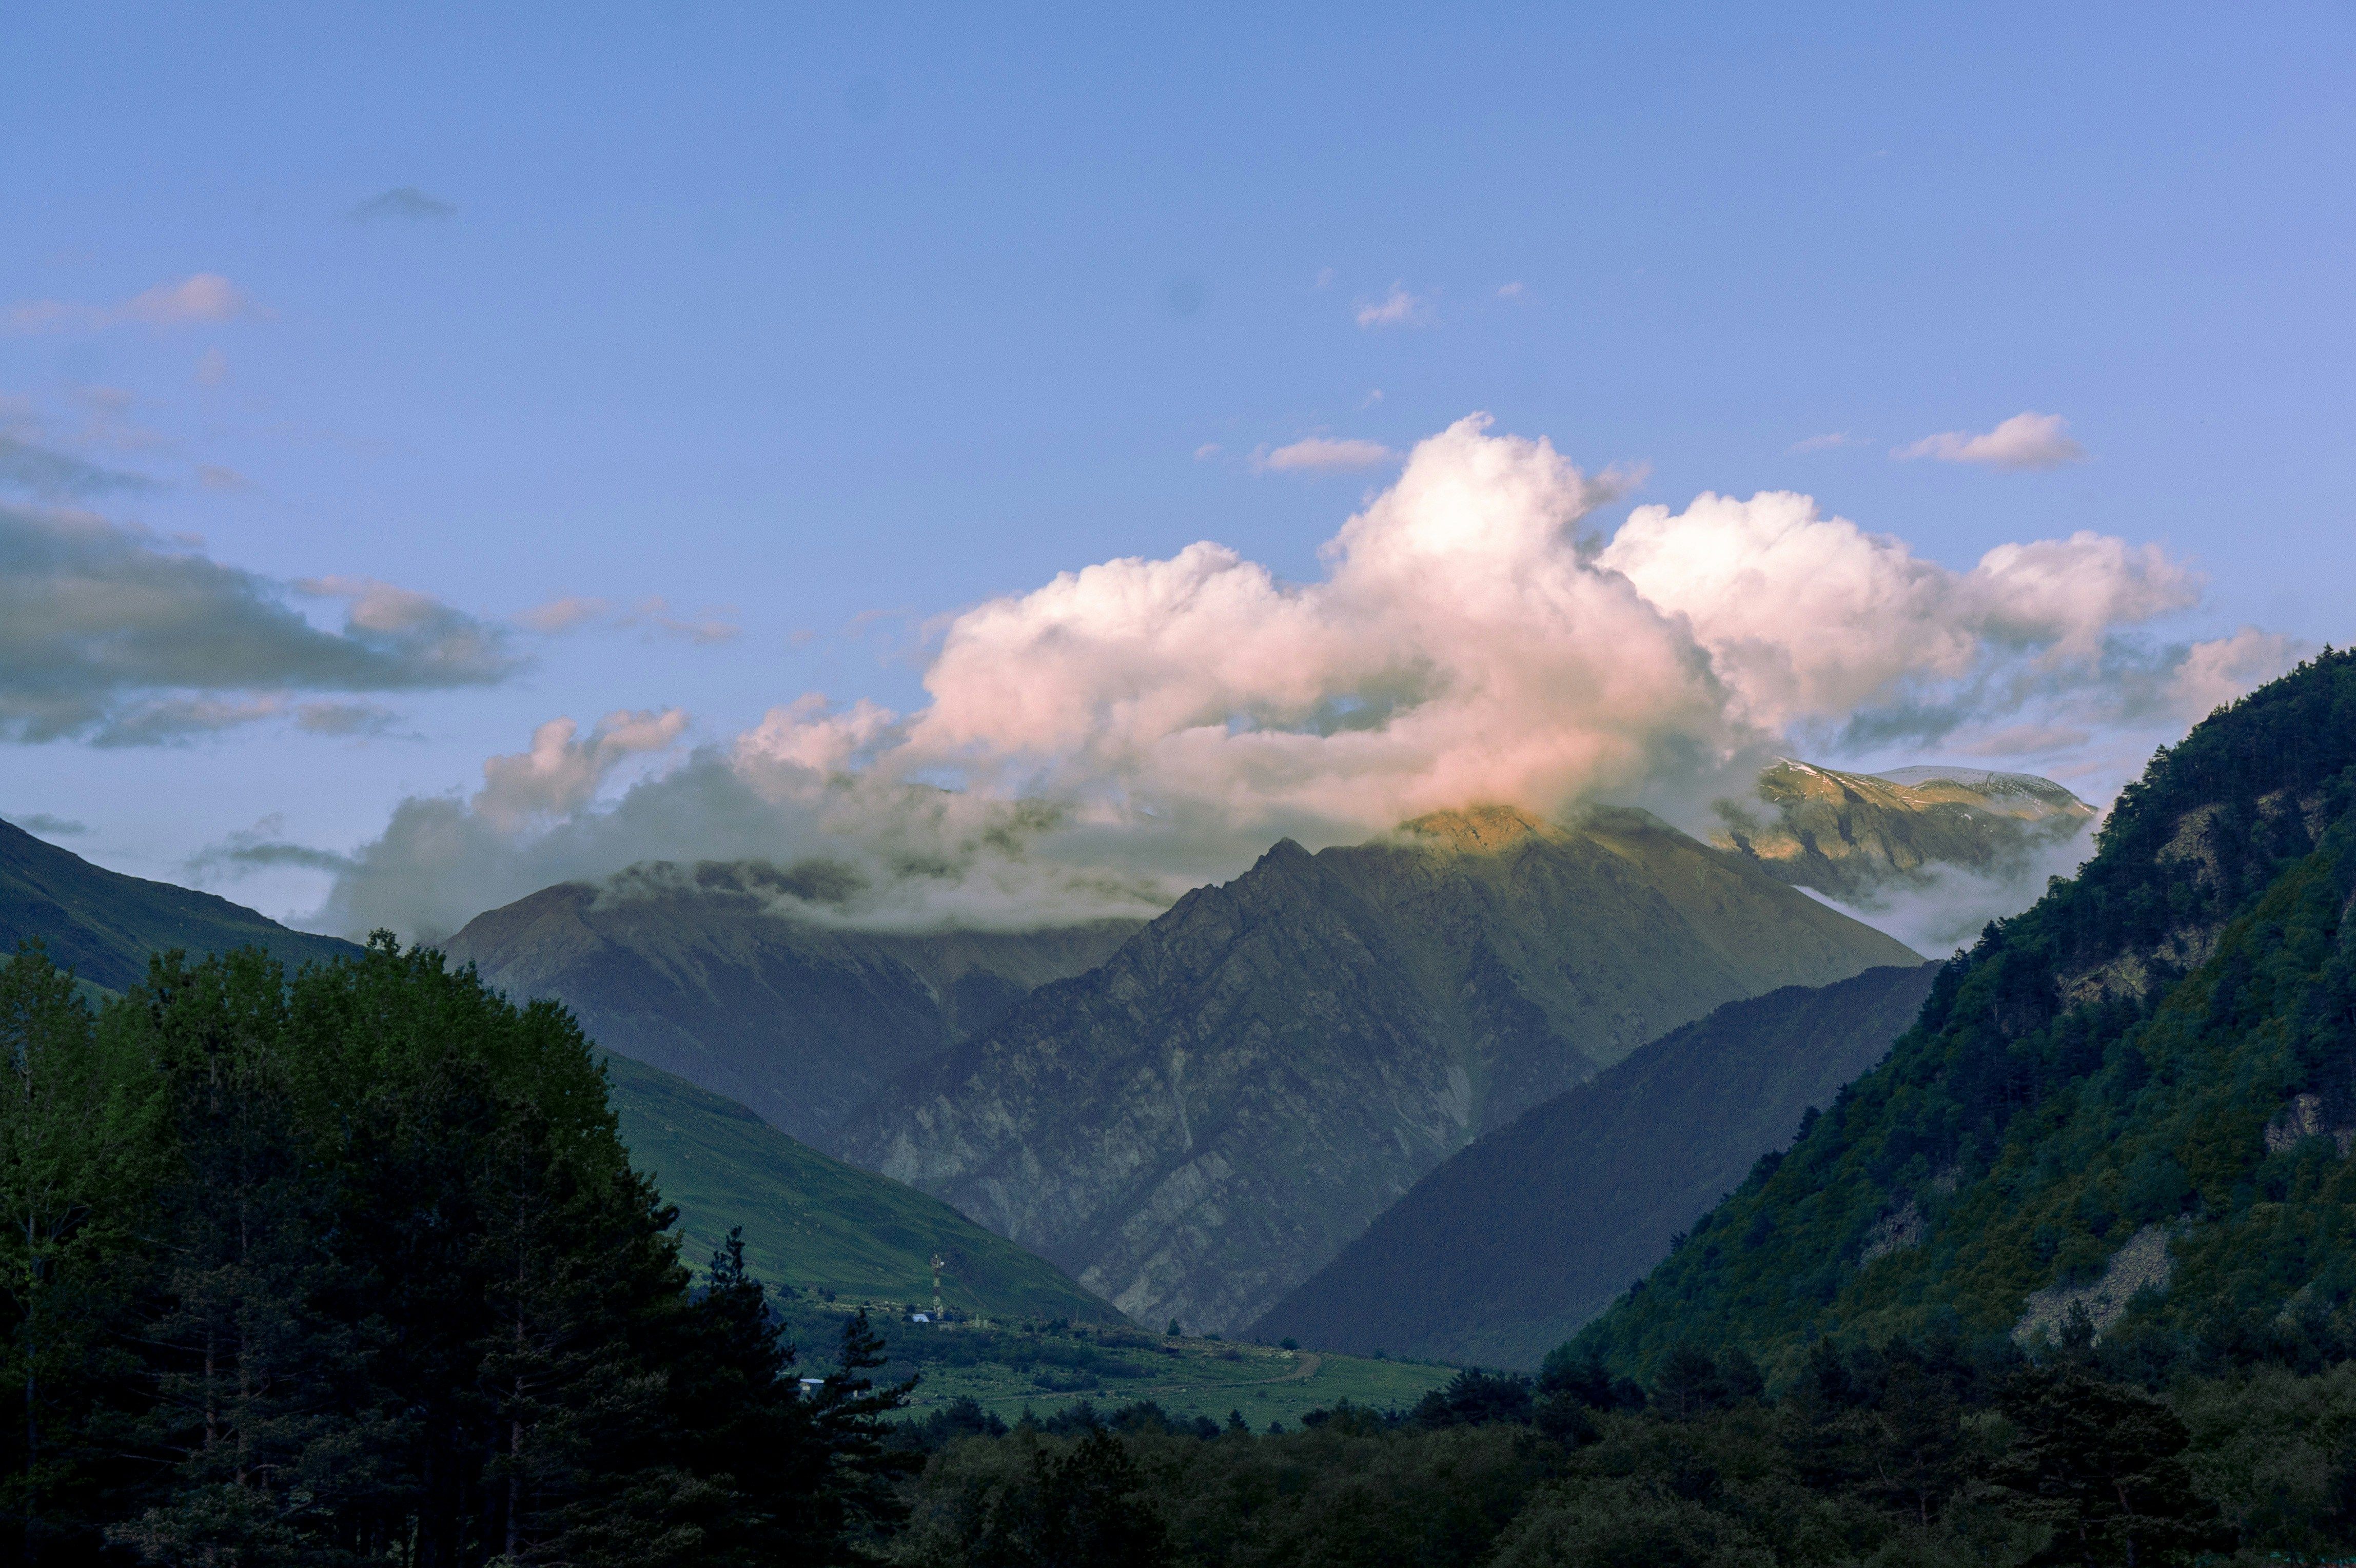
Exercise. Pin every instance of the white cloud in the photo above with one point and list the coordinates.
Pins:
(2026, 441)
(205, 296)
(1206, 451)
(1828, 442)
(1321, 454)
(1141, 725)
(2211, 674)
(560, 774)
(1509, 291)
(1396, 309)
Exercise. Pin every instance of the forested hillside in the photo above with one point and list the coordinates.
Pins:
(353, 1269)
(2125, 1113)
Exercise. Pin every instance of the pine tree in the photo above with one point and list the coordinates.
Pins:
(78, 1150)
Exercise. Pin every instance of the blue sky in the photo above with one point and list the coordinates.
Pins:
(820, 326)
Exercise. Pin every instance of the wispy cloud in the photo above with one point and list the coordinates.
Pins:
(1206, 451)
(1827, 442)
(48, 826)
(1509, 290)
(59, 476)
(112, 634)
(1396, 309)
(205, 296)
(653, 614)
(2026, 441)
(403, 203)
(1322, 453)
(344, 718)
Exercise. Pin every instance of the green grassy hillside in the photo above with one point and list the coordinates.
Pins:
(1049, 1364)
(2135, 1101)
(814, 1223)
(103, 925)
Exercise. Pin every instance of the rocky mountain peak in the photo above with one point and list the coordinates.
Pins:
(1475, 829)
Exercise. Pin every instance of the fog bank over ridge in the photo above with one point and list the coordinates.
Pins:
(1137, 727)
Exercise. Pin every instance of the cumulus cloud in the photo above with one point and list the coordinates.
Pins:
(561, 773)
(1141, 725)
(2207, 675)
(1396, 309)
(2026, 441)
(110, 634)
(1321, 454)
(403, 203)
(203, 297)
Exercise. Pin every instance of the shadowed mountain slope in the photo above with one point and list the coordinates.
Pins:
(1200, 1123)
(813, 1222)
(1854, 835)
(1501, 1253)
(103, 925)
(703, 972)
(2136, 1099)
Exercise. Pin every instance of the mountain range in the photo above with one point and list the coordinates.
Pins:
(709, 972)
(1854, 836)
(1509, 1247)
(809, 1221)
(2125, 1115)
(1198, 1124)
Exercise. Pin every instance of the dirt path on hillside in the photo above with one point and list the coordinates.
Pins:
(1310, 1361)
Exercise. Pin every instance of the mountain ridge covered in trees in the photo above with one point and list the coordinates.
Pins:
(2156, 1061)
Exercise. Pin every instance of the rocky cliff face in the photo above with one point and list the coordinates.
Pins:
(704, 972)
(1199, 1124)
(1856, 835)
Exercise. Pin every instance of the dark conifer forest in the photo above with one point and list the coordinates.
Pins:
(350, 1267)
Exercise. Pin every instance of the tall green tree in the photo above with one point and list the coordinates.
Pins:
(77, 1152)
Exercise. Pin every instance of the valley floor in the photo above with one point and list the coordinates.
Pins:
(1265, 1385)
